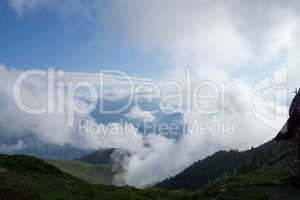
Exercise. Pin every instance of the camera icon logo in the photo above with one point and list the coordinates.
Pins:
(270, 99)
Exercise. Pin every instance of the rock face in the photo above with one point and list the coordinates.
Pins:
(290, 133)
(294, 153)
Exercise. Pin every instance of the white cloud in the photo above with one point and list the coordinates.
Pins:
(137, 114)
(52, 128)
(22, 6)
(87, 9)
(152, 154)
(165, 157)
(218, 40)
(13, 147)
(220, 34)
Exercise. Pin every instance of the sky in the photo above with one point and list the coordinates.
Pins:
(94, 35)
(243, 55)
(43, 36)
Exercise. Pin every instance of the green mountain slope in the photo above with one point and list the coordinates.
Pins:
(247, 186)
(102, 156)
(224, 163)
(95, 174)
(23, 177)
(98, 167)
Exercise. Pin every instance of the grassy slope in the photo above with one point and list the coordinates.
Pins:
(95, 174)
(213, 167)
(246, 186)
(31, 178)
(102, 156)
(272, 175)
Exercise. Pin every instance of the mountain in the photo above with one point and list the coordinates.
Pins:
(102, 156)
(24, 177)
(255, 174)
(29, 178)
(94, 174)
(31, 145)
(224, 163)
(99, 167)
(49, 151)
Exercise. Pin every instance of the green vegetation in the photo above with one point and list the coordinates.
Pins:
(102, 156)
(221, 192)
(95, 168)
(240, 177)
(245, 186)
(31, 178)
(95, 174)
(24, 177)
(225, 163)
(273, 175)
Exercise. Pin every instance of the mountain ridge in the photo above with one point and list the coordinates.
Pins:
(223, 163)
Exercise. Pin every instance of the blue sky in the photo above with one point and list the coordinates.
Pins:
(144, 39)
(46, 38)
